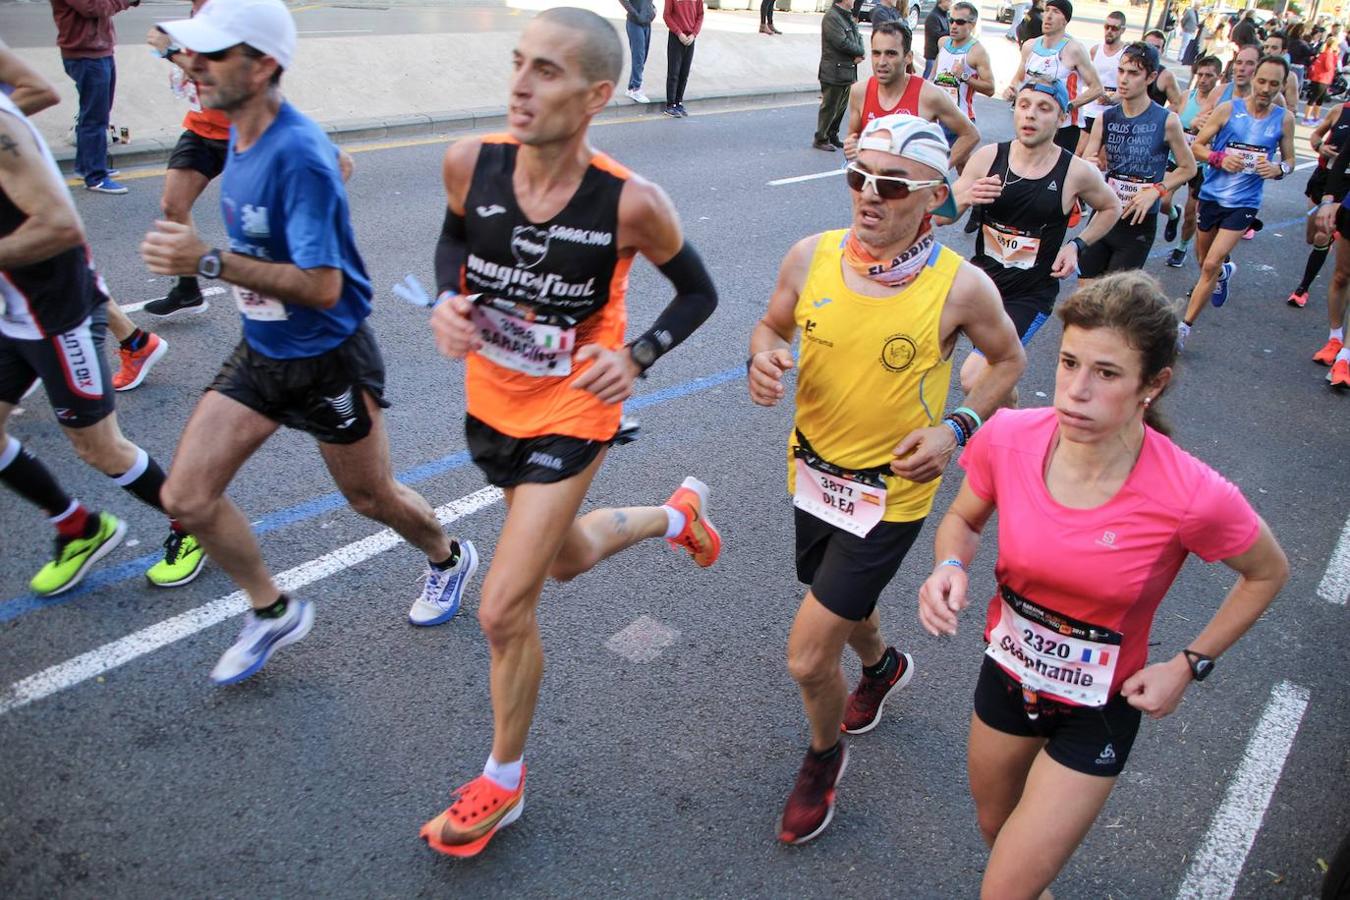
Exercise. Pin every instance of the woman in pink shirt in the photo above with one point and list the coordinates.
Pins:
(1098, 511)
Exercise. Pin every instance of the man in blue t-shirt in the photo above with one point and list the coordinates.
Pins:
(307, 359)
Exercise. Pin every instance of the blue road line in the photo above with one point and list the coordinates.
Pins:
(15, 607)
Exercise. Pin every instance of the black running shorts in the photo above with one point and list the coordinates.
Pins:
(509, 461)
(847, 573)
(199, 154)
(1123, 248)
(1316, 188)
(1091, 740)
(320, 395)
(72, 368)
(1211, 215)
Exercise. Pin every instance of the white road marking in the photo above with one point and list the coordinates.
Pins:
(1217, 864)
(1307, 165)
(140, 305)
(798, 178)
(643, 640)
(1335, 586)
(338, 31)
(108, 657)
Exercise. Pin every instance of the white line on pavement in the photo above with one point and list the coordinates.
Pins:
(1335, 586)
(147, 640)
(1307, 165)
(1214, 872)
(643, 640)
(140, 305)
(798, 178)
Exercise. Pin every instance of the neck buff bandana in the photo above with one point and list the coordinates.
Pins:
(901, 270)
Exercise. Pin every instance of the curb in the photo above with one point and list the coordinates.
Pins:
(155, 151)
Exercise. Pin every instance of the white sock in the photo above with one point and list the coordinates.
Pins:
(1344, 355)
(1337, 334)
(505, 774)
(674, 521)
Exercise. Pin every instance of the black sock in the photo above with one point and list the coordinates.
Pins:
(26, 476)
(1316, 258)
(188, 285)
(885, 667)
(275, 611)
(449, 560)
(136, 340)
(826, 755)
(143, 480)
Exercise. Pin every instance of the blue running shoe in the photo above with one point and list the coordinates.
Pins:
(259, 637)
(1220, 295)
(444, 589)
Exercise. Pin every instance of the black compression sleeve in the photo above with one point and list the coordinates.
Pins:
(695, 299)
(452, 252)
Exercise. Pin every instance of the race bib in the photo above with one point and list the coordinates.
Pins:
(1053, 654)
(1012, 247)
(1126, 186)
(522, 345)
(846, 503)
(1190, 138)
(1250, 154)
(259, 307)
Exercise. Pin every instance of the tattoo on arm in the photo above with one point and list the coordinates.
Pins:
(9, 145)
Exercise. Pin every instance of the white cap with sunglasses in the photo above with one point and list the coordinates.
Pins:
(265, 25)
(915, 139)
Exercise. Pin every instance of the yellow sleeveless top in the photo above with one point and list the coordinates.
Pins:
(870, 369)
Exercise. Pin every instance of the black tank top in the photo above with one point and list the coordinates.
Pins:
(1337, 134)
(1157, 94)
(1028, 209)
(47, 297)
(565, 266)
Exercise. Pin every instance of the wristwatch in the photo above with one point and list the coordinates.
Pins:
(643, 351)
(1201, 665)
(209, 265)
(1079, 243)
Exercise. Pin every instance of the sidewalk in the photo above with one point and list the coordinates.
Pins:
(377, 86)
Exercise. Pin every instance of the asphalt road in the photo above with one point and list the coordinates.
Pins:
(664, 777)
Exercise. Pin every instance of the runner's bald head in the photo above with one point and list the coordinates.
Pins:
(600, 55)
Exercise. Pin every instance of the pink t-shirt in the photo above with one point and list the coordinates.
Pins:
(1109, 566)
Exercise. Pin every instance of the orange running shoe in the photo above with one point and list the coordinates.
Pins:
(1340, 374)
(1327, 355)
(699, 536)
(480, 809)
(136, 364)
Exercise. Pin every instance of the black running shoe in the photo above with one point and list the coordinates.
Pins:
(1173, 223)
(179, 302)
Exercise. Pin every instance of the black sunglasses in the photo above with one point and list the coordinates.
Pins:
(962, 21)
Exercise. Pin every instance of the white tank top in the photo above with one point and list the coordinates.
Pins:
(1107, 70)
(953, 60)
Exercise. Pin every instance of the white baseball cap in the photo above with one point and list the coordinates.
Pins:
(265, 25)
(912, 138)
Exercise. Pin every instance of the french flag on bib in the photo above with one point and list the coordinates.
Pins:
(1099, 657)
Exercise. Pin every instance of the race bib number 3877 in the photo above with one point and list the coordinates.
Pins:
(1053, 654)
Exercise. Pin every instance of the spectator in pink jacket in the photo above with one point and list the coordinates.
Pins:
(684, 18)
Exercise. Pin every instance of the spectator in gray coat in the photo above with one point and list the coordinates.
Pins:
(639, 27)
(841, 49)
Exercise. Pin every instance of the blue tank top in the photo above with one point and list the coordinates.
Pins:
(1136, 149)
(1253, 139)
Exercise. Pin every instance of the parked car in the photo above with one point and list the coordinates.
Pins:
(863, 10)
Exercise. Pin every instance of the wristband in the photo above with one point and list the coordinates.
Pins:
(1216, 158)
(1161, 189)
(952, 562)
(956, 430)
(972, 413)
(1079, 243)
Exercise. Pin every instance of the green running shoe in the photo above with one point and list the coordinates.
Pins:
(74, 557)
(182, 562)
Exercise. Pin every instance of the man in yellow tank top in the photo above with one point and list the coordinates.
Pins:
(879, 307)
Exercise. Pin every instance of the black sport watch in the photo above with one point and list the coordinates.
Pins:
(644, 352)
(209, 265)
(1201, 665)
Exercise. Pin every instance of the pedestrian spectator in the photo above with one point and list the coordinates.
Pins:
(886, 11)
(638, 24)
(766, 18)
(684, 18)
(1031, 27)
(86, 38)
(1244, 33)
(1320, 75)
(1300, 53)
(841, 49)
(1190, 26)
(936, 27)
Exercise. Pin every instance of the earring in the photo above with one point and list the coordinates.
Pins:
(1147, 401)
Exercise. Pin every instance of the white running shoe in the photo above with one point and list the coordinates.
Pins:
(259, 637)
(636, 95)
(443, 590)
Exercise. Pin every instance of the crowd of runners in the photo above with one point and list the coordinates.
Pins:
(532, 262)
